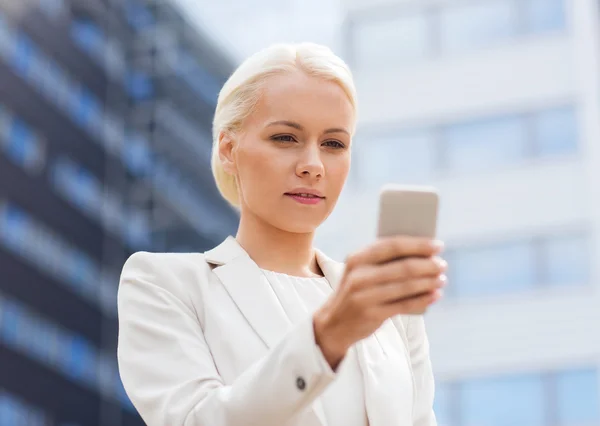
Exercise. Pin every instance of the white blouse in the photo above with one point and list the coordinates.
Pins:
(343, 400)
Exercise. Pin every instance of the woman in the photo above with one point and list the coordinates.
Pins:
(264, 329)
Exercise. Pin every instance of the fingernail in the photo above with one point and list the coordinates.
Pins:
(443, 279)
(441, 263)
(437, 295)
(437, 245)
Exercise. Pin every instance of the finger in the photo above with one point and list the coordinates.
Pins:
(398, 270)
(396, 291)
(411, 306)
(390, 248)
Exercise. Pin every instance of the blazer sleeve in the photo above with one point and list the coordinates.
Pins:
(413, 328)
(168, 371)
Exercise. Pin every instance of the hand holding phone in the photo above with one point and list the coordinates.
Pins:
(398, 274)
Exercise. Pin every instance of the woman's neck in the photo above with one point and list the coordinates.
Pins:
(277, 250)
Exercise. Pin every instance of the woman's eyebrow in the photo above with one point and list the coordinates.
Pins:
(298, 126)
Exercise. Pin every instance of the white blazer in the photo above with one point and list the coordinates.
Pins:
(203, 341)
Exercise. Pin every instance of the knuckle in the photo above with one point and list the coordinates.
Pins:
(391, 246)
(351, 280)
(411, 267)
(402, 270)
(351, 261)
(432, 266)
(426, 245)
(433, 283)
(354, 303)
(416, 286)
(355, 279)
(399, 244)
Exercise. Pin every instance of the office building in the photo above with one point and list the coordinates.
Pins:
(495, 103)
(104, 151)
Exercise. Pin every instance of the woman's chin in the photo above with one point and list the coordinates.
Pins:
(303, 226)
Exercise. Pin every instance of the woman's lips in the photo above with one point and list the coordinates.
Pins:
(306, 198)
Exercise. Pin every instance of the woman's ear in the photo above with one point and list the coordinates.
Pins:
(226, 153)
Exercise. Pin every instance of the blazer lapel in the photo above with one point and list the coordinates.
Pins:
(250, 290)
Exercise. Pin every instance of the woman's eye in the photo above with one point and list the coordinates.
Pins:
(284, 138)
(334, 144)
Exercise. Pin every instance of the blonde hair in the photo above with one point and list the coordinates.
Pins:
(242, 91)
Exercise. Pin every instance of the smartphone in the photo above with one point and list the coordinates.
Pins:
(408, 210)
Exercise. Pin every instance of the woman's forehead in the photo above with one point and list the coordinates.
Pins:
(296, 98)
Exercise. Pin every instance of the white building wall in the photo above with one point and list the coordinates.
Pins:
(542, 329)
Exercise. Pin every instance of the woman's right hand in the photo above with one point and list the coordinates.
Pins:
(395, 275)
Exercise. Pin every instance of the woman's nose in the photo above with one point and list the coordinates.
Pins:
(310, 164)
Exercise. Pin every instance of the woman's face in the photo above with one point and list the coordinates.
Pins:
(295, 143)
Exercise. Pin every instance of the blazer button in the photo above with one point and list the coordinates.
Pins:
(300, 383)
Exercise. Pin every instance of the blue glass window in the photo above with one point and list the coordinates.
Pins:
(82, 271)
(78, 185)
(139, 85)
(87, 35)
(45, 342)
(8, 415)
(114, 59)
(15, 411)
(443, 404)
(22, 55)
(20, 142)
(484, 144)
(14, 227)
(137, 155)
(81, 359)
(138, 15)
(86, 108)
(87, 189)
(578, 397)
(506, 401)
(566, 260)
(54, 83)
(556, 131)
(137, 228)
(493, 270)
(478, 24)
(545, 15)
(12, 315)
(113, 133)
(391, 41)
(405, 158)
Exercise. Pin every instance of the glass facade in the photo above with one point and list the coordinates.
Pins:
(518, 266)
(408, 157)
(450, 28)
(559, 397)
(477, 25)
(401, 40)
(465, 148)
(81, 177)
(484, 144)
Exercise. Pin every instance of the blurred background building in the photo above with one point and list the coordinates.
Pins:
(105, 118)
(105, 113)
(496, 103)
